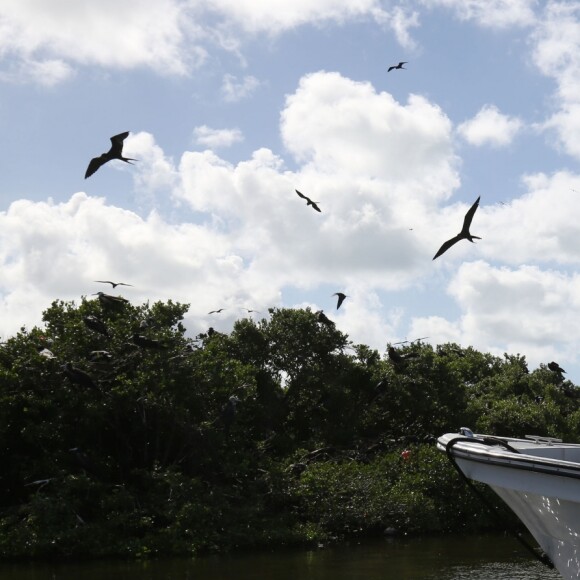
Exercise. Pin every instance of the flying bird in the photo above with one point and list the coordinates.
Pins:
(399, 66)
(115, 152)
(464, 233)
(341, 298)
(113, 284)
(216, 311)
(309, 201)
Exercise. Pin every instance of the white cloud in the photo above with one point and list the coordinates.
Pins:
(44, 72)
(490, 127)
(216, 138)
(524, 310)
(491, 13)
(234, 90)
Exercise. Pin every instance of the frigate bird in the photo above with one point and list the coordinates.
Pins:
(145, 342)
(96, 324)
(399, 66)
(341, 298)
(216, 311)
(115, 152)
(113, 284)
(321, 317)
(108, 301)
(554, 366)
(78, 376)
(309, 201)
(464, 233)
(228, 412)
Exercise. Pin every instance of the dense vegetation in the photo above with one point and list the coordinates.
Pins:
(282, 431)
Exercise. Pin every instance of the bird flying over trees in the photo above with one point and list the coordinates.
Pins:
(113, 284)
(309, 201)
(216, 311)
(115, 152)
(341, 298)
(398, 66)
(464, 233)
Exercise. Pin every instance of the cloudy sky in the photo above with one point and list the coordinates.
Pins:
(234, 104)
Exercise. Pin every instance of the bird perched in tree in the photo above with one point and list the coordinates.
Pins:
(464, 233)
(341, 298)
(115, 152)
(554, 366)
(322, 318)
(96, 324)
(145, 342)
(396, 357)
(309, 201)
(45, 352)
(78, 376)
(397, 66)
(113, 284)
(108, 301)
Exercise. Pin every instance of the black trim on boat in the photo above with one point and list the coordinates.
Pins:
(542, 557)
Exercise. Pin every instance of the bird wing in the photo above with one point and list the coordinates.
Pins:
(117, 143)
(391, 68)
(341, 298)
(446, 245)
(95, 163)
(469, 216)
(300, 194)
(402, 63)
(314, 206)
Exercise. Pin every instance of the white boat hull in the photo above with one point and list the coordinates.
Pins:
(539, 481)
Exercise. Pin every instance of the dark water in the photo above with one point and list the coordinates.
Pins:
(448, 558)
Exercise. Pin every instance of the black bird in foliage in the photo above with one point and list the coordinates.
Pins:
(115, 152)
(113, 284)
(145, 342)
(464, 233)
(341, 298)
(398, 66)
(323, 319)
(554, 366)
(396, 357)
(309, 201)
(78, 376)
(108, 301)
(96, 324)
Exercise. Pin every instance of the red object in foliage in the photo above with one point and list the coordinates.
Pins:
(405, 454)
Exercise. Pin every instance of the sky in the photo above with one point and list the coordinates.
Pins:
(232, 105)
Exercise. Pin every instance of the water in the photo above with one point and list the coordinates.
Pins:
(447, 558)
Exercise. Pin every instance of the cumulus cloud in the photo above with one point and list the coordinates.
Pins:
(490, 127)
(511, 310)
(120, 35)
(491, 13)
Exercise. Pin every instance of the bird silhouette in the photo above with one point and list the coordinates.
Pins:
(322, 318)
(145, 342)
(108, 301)
(309, 201)
(113, 284)
(78, 376)
(554, 366)
(115, 152)
(96, 324)
(216, 311)
(464, 233)
(341, 298)
(398, 66)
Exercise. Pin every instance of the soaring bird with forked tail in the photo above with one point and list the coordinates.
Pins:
(115, 152)
(464, 233)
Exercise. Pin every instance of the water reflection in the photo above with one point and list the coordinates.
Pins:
(447, 558)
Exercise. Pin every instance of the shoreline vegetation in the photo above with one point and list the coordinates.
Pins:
(122, 437)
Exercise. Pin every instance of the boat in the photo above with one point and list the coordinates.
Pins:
(537, 477)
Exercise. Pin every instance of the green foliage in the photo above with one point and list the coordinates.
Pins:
(281, 431)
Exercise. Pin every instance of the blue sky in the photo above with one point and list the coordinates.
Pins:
(234, 104)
